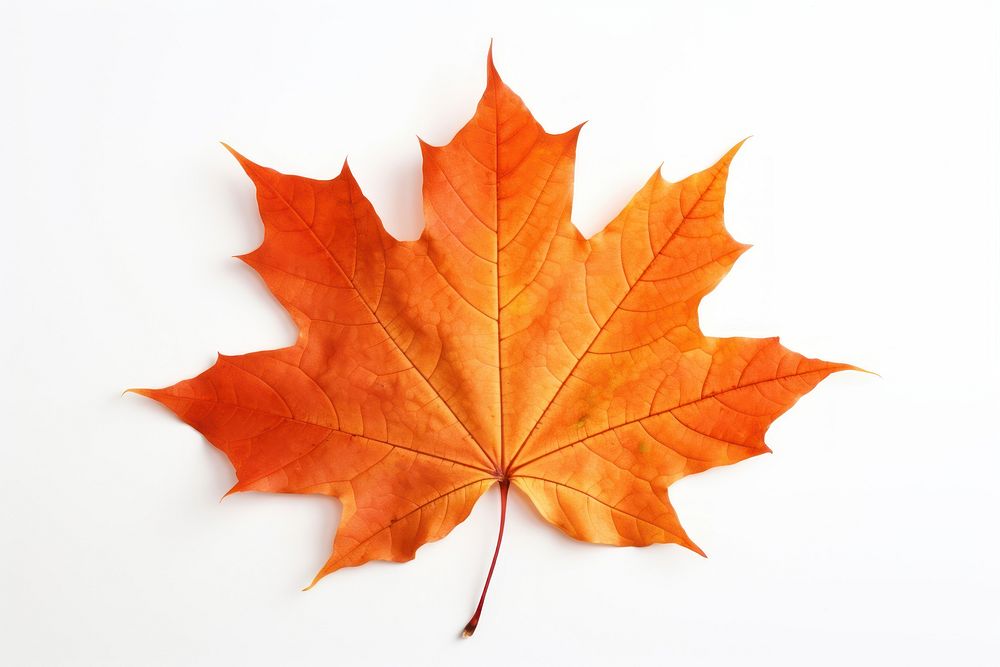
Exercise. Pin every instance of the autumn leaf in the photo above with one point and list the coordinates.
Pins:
(501, 347)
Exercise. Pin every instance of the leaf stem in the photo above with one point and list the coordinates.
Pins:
(470, 627)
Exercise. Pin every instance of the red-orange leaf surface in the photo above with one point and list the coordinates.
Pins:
(501, 347)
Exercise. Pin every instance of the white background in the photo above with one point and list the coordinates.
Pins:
(870, 192)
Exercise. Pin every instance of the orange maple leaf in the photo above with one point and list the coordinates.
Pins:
(501, 347)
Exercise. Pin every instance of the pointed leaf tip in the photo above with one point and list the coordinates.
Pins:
(491, 69)
(731, 153)
(232, 150)
(148, 393)
(246, 163)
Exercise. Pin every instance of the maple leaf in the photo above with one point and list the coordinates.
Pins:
(501, 347)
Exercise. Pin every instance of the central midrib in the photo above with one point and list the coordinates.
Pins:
(502, 472)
